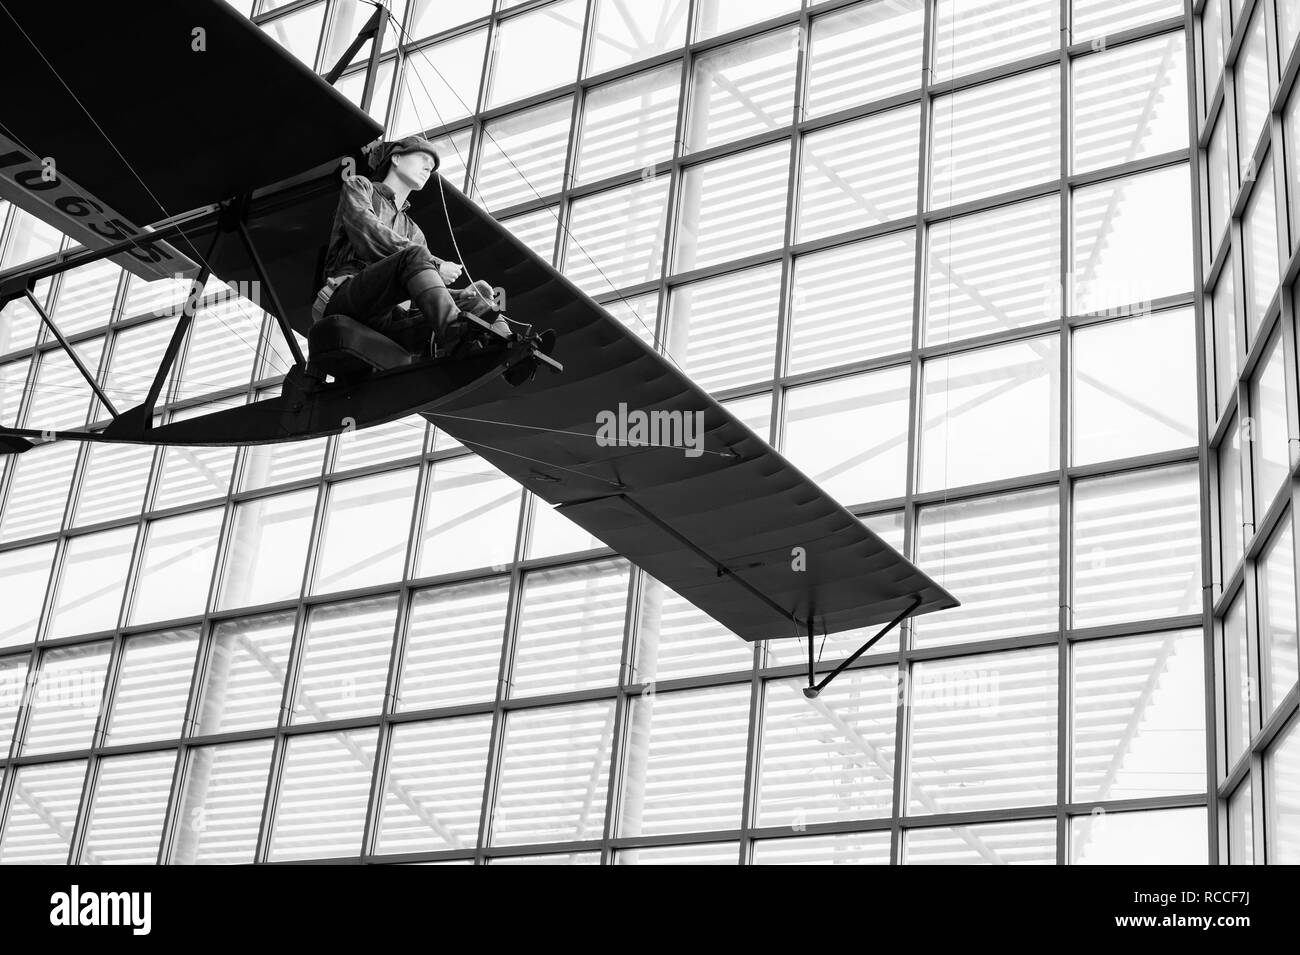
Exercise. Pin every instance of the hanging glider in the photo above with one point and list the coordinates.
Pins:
(243, 185)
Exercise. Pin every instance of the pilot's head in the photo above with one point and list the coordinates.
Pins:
(411, 159)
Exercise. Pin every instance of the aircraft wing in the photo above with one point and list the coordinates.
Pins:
(735, 529)
(150, 110)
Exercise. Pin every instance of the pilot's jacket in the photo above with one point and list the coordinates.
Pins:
(357, 240)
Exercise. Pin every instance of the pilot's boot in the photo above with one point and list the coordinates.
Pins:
(435, 302)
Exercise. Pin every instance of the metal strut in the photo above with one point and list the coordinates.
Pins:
(814, 689)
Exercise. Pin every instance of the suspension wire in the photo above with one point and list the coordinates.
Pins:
(528, 182)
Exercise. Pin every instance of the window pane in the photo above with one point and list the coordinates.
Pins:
(66, 699)
(221, 804)
(536, 230)
(299, 32)
(830, 287)
(886, 35)
(1225, 339)
(715, 17)
(1130, 102)
(857, 174)
(42, 813)
(453, 645)
(353, 85)
(615, 238)
(517, 70)
(126, 819)
(859, 848)
(570, 629)
(1282, 796)
(1259, 232)
(685, 761)
(1269, 437)
(223, 345)
(86, 296)
(1125, 403)
(89, 595)
(434, 788)
(832, 758)
(715, 853)
(153, 687)
(266, 465)
(1132, 240)
(676, 639)
(1138, 717)
(243, 681)
(13, 681)
(1241, 835)
(1159, 837)
(722, 331)
(24, 574)
(60, 395)
(522, 156)
(471, 514)
(323, 794)
(38, 490)
(742, 89)
(268, 545)
(1211, 48)
(346, 649)
(977, 34)
(1251, 74)
(850, 434)
(629, 124)
(440, 84)
(367, 523)
(1093, 18)
(999, 557)
(21, 322)
(1219, 211)
(1231, 529)
(382, 444)
(996, 137)
(176, 569)
(993, 271)
(554, 534)
(1137, 547)
(732, 207)
(190, 474)
(623, 33)
(114, 479)
(1031, 842)
(1277, 618)
(983, 732)
(554, 774)
(991, 413)
(13, 381)
(29, 239)
(1237, 690)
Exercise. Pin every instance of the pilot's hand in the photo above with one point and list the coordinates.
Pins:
(450, 271)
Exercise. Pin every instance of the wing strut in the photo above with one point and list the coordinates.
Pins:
(814, 689)
(374, 31)
(22, 286)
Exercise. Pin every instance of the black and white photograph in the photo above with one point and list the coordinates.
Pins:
(650, 432)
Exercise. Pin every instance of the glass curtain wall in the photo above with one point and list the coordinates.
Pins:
(949, 256)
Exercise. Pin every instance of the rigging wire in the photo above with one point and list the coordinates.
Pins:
(528, 182)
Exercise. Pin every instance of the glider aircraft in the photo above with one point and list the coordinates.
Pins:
(249, 195)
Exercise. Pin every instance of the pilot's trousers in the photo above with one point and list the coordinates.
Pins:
(373, 296)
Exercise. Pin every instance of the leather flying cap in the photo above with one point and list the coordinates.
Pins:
(381, 156)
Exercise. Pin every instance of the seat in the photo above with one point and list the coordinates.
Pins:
(348, 350)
